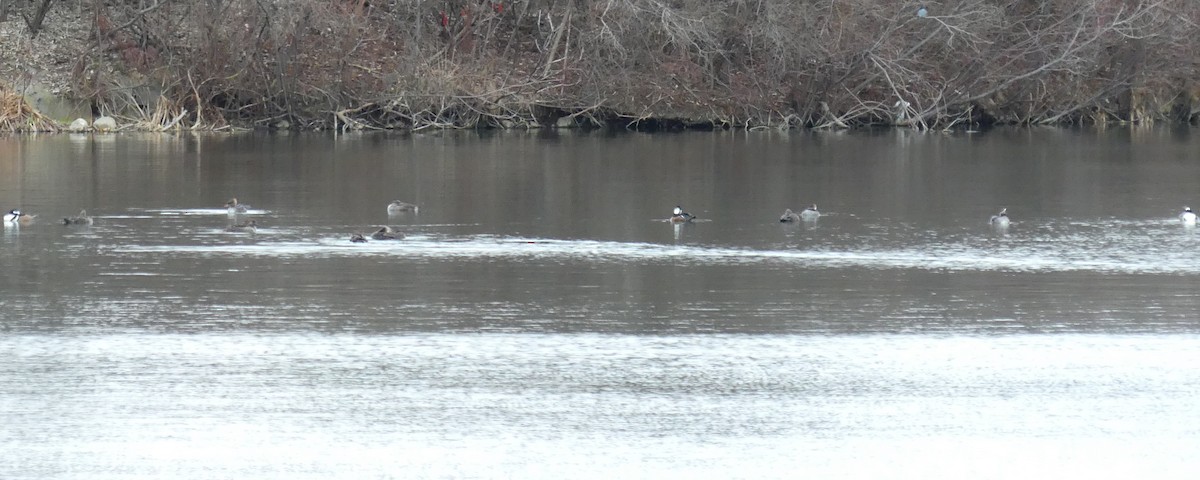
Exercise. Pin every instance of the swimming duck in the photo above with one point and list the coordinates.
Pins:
(249, 227)
(236, 208)
(398, 207)
(681, 216)
(15, 217)
(1187, 217)
(810, 213)
(357, 238)
(1000, 219)
(789, 216)
(387, 233)
(82, 219)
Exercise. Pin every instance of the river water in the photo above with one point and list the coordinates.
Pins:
(541, 319)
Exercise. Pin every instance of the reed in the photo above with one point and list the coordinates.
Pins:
(16, 115)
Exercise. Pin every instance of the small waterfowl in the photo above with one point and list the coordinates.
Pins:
(15, 217)
(680, 216)
(248, 227)
(1187, 217)
(235, 208)
(1000, 219)
(398, 207)
(789, 216)
(809, 214)
(387, 233)
(357, 238)
(81, 219)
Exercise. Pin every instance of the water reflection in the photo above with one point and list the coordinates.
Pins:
(541, 317)
(518, 219)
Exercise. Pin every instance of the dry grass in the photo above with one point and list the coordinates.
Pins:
(16, 115)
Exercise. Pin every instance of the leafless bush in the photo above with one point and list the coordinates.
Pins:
(469, 63)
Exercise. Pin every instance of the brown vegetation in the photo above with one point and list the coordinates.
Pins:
(17, 116)
(675, 63)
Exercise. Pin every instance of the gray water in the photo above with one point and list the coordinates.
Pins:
(541, 319)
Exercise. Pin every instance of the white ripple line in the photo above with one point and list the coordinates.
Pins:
(947, 258)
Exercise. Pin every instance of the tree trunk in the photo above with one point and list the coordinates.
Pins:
(35, 23)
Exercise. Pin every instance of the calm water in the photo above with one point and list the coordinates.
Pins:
(542, 320)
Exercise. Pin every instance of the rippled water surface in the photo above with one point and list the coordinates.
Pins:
(541, 319)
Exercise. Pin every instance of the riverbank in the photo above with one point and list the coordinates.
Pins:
(306, 64)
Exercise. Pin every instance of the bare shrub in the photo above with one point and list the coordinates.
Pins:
(471, 63)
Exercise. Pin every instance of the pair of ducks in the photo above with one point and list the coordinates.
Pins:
(808, 214)
(234, 209)
(15, 216)
(811, 214)
(1001, 220)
